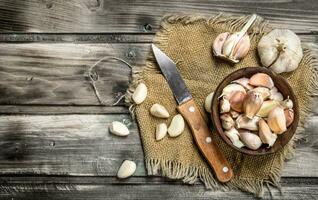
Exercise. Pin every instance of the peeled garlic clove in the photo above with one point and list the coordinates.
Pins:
(161, 131)
(266, 107)
(276, 120)
(140, 93)
(287, 103)
(242, 47)
(208, 102)
(244, 82)
(227, 121)
(231, 88)
(126, 169)
(176, 126)
(252, 104)
(265, 132)
(237, 100)
(225, 105)
(218, 43)
(280, 50)
(234, 114)
(243, 122)
(289, 115)
(233, 135)
(265, 92)
(159, 111)
(262, 79)
(251, 140)
(119, 129)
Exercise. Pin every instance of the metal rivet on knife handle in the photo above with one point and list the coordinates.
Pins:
(208, 140)
(225, 169)
(191, 109)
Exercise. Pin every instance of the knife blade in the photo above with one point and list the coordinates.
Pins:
(190, 111)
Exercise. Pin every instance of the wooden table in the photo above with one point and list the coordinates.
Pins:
(54, 140)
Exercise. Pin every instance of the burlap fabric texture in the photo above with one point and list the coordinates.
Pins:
(187, 40)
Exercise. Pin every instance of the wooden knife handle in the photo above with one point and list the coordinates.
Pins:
(202, 136)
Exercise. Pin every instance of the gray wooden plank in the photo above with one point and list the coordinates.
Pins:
(146, 188)
(56, 73)
(142, 16)
(81, 145)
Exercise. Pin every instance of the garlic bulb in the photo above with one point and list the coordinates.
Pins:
(280, 50)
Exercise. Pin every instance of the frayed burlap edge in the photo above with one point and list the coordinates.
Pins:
(189, 174)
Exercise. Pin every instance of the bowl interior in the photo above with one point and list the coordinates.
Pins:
(282, 86)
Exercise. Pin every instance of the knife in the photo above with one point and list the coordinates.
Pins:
(190, 111)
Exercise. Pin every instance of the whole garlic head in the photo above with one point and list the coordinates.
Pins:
(280, 50)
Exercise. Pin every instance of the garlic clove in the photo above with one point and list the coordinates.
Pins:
(276, 95)
(233, 135)
(208, 102)
(176, 126)
(266, 107)
(276, 120)
(118, 128)
(265, 92)
(241, 48)
(227, 121)
(243, 122)
(289, 115)
(229, 44)
(161, 131)
(234, 114)
(244, 82)
(252, 103)
(218, 43)
(231, 88)
(126, 169)
(225, 105)
(262, 79)
(140, 93)
(250, 139)
(159, 111)
(287, 103)
(237, 100)
(265, 132)
(273, 140)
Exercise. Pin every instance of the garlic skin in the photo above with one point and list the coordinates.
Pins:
(126, 169)
(251, 140)
(118, 128)
(218, 43)
(266, 107)
(243, 122)
(234, 114)
(229, 90)
(208, 102)
(280, 50)
(140, 93)
(252, 103)
(276, 120)
(227, 121)
(289, 115)
(159, 111)
(262, 79)
(225, 105)
(161, 131)
(244, 82)
(233, 135)
(176, 126)
(237, 100)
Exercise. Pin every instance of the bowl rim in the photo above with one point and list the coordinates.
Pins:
(217, 122)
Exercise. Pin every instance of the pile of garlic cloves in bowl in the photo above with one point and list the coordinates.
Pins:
(255, 111)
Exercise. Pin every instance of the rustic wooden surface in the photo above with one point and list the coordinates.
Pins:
(54, 141)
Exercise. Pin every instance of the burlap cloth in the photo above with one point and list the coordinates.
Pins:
(187, 40)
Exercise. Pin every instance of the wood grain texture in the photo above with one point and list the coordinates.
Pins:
(143, 16)
(81, 145)
(138, 188)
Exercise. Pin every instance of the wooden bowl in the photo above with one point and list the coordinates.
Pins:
(282, 86)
